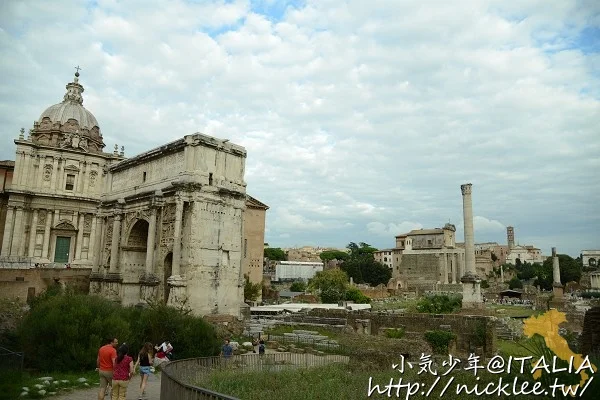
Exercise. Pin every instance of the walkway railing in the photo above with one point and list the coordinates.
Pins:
(179, 378)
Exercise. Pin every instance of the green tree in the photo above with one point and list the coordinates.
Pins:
(515, 283)
(570, 269)
(298, 286)
(274, 254)
(360, 249)
(364, 269)
(329, 255)
(526, 271)
(494, 257)
(331, 285)
(251, 290)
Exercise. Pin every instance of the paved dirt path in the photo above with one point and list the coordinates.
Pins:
(152, 391)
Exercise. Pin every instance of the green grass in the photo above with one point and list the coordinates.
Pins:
(12, 383)
(409, 305)
(513, 311)
(333, 382)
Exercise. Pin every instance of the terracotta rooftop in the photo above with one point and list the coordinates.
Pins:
(7, 163)
(252, 202)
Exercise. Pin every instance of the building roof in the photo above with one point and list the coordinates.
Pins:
(434, 231)
(253, 203)
(71, 108)
(7, 163)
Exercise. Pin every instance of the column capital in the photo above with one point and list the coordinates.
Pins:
(466, 188)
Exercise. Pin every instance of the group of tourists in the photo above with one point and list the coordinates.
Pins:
(116, 367)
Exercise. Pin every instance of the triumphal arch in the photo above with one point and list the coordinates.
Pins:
(163, 225)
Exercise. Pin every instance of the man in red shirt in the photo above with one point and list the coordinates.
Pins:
(105, 364)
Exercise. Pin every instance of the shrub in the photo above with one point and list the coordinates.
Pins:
(439, 340)
(63, 332)
(355, 295)
(395, 333)
(298, 286)
(439, 304)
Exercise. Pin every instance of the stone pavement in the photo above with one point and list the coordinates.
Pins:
(152, 391)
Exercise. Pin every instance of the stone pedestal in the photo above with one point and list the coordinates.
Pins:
(471, 292)
(177, 291)
(111, 286)
(148, 287)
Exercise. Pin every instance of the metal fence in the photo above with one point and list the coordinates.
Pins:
(179, 378)
(12, 360)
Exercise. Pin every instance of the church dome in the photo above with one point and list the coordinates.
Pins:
(68, 124)
(71, 108)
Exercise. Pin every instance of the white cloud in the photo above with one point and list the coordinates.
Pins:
(390, 230)
(350, 114)
(482, 224)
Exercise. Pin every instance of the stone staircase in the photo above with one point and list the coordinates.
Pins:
(509, 329)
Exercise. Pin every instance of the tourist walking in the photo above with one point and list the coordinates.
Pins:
(144, 360)
(261, 347)
(105, 361)
(226, 349)
(122, 373)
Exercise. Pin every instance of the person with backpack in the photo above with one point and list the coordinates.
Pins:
(122, 373)
(261, 347)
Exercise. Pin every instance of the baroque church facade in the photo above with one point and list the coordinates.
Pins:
(165, 225)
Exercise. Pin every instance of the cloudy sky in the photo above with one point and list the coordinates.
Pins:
(361, 118)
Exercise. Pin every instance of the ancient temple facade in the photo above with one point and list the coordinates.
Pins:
(165, 225)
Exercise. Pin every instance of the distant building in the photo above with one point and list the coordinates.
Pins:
(530, 254)
(287, 271)
(589, 258)
(254, 237)
(307, 253)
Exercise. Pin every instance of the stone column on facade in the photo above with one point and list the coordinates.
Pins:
(8, 232)
(471, 282)
(32, 234)
(445, 257)
(54, 174)
(150, 243)
(17, 232)
(453, 267)
(46, 243)
(93, 245)
(79, 244)
(40, 173)
(81, 176)
(177, 238)
(114, 247)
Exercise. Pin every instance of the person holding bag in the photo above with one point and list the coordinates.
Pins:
(122, 373)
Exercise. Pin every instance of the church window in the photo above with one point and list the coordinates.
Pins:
(210, 178)
(144, 177)
(70, 184)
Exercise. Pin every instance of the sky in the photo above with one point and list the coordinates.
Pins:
(361, 119)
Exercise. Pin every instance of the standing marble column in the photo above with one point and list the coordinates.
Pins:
(555, 268)
(177, 238)
(468, 224)
(46, 243)
(32, 234)
(471, 283)
(150, 243)
(17, 232)
(114, 246)
(79, 243)
(8, 231)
